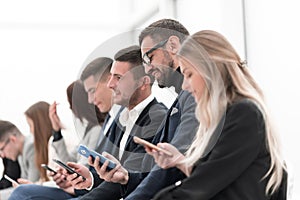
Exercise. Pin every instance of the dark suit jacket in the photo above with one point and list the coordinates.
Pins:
(179, 129)
(145, 127)
(234, 163)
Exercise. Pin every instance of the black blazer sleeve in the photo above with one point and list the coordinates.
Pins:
(230, 159)
(11, 169)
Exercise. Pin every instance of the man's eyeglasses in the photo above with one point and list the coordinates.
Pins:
(5, 144)
(146, 59)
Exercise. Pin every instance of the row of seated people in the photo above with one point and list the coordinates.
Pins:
(30, 152)
(232, 154)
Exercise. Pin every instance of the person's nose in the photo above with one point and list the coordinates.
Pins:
(111, 83)
(185, 85)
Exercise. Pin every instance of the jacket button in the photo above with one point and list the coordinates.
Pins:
(178, 183)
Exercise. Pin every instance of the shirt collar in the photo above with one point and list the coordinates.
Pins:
(114, 111)
(130, 116)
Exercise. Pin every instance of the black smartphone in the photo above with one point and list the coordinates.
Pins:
(48, 168)
(69, 169)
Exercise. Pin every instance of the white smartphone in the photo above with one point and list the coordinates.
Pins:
(11, 180)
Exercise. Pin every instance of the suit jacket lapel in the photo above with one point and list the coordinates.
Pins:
(215, 136)
(140, 122)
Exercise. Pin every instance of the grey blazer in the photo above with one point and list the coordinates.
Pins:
(27, 162)
(178, 128)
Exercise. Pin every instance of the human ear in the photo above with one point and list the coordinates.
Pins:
(12, 138)
(145, 81)
(173, 44)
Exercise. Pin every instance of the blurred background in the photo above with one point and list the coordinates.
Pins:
(45, 44)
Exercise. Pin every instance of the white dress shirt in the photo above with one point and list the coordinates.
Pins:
(128, 118)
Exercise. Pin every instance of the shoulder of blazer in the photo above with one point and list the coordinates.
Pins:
(242, 105)
(153, 107)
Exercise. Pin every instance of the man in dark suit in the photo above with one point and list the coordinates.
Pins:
(141, 116)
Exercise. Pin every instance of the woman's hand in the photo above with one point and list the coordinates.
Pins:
(165, 161)
(55, 121)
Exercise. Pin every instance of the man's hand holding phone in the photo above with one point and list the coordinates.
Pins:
(116, 175)
(77, 181)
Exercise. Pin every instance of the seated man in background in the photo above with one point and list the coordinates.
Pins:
(18, 148)
(14, 145)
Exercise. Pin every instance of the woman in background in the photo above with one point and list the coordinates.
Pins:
(235, 154)
(37, 117)
(88, 115)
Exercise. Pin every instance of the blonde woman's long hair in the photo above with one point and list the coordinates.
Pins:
(227, 80)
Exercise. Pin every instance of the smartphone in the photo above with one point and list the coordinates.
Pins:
(150, 145)
(10, 179)
(48, 168)
(69, 169)
(83, 150)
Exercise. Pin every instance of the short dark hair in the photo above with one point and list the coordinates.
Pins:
(163, 29)
(132, 55)
(99, 68)
(5, 128)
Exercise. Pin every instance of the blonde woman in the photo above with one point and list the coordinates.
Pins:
(235, 154)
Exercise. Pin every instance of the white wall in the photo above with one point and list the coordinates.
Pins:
(273, 29)
(43, 46)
